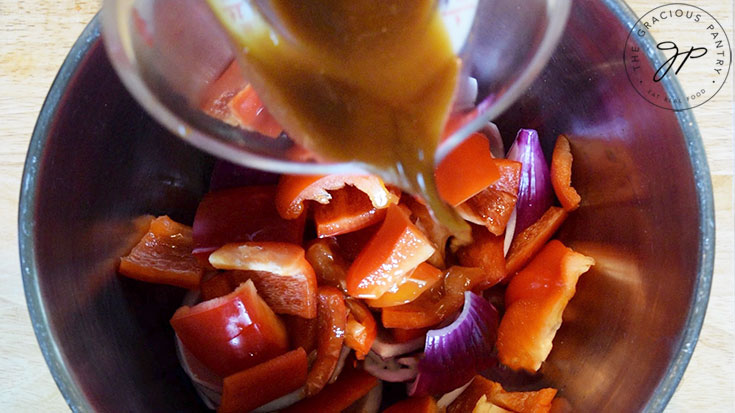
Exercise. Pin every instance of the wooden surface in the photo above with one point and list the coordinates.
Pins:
(36, 35)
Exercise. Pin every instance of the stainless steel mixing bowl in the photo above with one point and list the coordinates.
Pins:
(97, 161)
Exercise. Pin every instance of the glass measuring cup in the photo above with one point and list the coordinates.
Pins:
(167, 52)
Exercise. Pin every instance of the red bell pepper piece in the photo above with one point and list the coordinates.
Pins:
(493, 206)
(403, 335)
(423, 404)
(534, 303)
(329, 265)
(279, 270)
(530, 401)
(258, 385)
(561, 174)
(241, 215)
(352, 385)
(251, 113)
(331, 321)
(302, 332)
(349, 210)
(430, 309)
(218, 94)
(397, 248)
(231, 333)
(526, 244)
(436, 304)
(163, 256)
(437, 233)
(422, 278)
(293, 190)
(485, 252)
(352, 243)
(361, 328)
(467, 170)
(218, 285)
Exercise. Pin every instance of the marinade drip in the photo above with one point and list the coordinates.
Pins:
(358, 81)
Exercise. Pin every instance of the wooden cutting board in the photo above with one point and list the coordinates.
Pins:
(36, 35)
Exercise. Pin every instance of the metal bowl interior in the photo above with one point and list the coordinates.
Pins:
(97, 161)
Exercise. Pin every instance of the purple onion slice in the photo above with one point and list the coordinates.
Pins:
(535, 194)
(456, 353)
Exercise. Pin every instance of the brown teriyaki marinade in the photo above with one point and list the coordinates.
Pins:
(360, 80)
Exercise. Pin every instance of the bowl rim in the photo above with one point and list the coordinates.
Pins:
(90, 37)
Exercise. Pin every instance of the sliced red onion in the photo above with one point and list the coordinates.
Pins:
(197, 372)
(510, 230)
(497, 148)
(207, 384)
(282, 402)
(456, 353)
(448, 398)
(386, 347)
(340, 364)
(229, 175)
(391, 369)
(535, 194)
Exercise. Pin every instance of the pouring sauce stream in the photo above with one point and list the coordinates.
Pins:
(360, 81)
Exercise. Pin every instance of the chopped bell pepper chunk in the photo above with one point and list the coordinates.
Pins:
(280, 271)
(467, 170)
(534, 303)
(361, 328)
(350, 387)
(164, 256)
(218, 94)
(436, 304)
(231, 333)
(403, 335)
(331, 323)
(437, 233)
(258, 385)
(349, 210)
(293, 190)
(240, 215)
(561, 174)
(485, 252)
(302, 332)
(493, 206)
(352, 243)
(397, 248)
(330, 267)
(530, 401)
(422, 278)
(218, 285)
(251, 113)
(526, 244)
